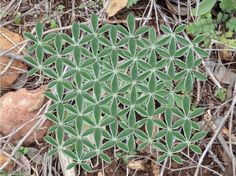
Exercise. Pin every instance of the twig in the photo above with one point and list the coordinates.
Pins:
(12, 55)
(164, 166)
(157, 19)
(149, 12)
(7, 67)
(13, 47)
(211, 75)
(216, 160)
(73, 10)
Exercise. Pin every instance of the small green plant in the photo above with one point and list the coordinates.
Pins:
(18, 20)
(61, 8)
(221, 94)
(23, 150)
(132, 2)
(53, 24)
(207, 23)
(112, 86)
(231, 24)
(228, 5)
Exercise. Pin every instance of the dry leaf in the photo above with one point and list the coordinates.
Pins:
(100, 174)
(225, 131)
(174, 8)
(35, 155)
(18, 108)
(222, 74)
(7, 40)
(224, 52)
(228, 170)
(155, 169)
(136, 165)
(114, 6)
(3, 159)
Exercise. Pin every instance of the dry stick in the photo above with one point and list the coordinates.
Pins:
(216, 134)
(216, 160)
(11, 59)
(164, 166)
(149, 12)
(179, 16)
(7, 67)
(157, 19)
(48, 172)
(197, 4)
(47, 7)
(198, 99)
(17, 8)
(211, 75)
(12, 48)
(73, 10)
(12, 55)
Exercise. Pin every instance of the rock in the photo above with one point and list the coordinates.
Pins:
(7, 40)
(18, 108)
(3, 159)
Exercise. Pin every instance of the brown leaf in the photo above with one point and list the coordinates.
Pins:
(223, 74)
(155, 169)
(174, 8)
(224, 52)
(114, 6)
(7, 40)
(100, 174)
(136, 165)
(228, 170)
